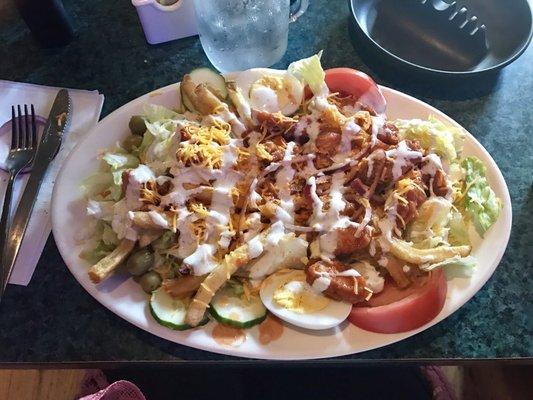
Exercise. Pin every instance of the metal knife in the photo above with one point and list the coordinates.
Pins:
(56, 126)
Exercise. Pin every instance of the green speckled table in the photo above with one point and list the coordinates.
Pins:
(53, 320)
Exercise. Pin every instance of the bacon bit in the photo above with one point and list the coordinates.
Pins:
(359, 187)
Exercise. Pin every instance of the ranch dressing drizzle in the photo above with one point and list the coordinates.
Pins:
(349, 272)
(301, 125)
(365, 221)
(310, 124)
(332, 220)
(284, 177)
(318, 214)
(121, 221)
(255, 247)
(402, 156)
(371, 159)
(350, 130)
(158, 219)
(236, 125)
(136, 178)
(321, 284)
(433, 164)
(275, 233)
(377, 123)
(201, 257)
(218, 233)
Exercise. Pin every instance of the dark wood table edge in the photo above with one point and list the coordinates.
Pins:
(342, 363)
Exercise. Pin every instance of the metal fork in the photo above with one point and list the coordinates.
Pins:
(23, 147)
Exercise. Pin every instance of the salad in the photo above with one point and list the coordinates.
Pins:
(287, 192)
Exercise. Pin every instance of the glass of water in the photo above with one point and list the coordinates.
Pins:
(242, 34)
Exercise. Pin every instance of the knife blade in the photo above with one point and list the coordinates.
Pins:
(56, 126)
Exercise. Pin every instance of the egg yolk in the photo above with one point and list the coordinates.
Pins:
(297, 296)
(276, 86)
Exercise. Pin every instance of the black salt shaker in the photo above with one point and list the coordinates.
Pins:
(47, 20)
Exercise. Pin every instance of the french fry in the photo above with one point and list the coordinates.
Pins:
(143, 220)
(201, 97)
(240, 103)
(148, 237)
(206, 102)
(105, 267)
(218, 277)
(406, 252)
(214, 281)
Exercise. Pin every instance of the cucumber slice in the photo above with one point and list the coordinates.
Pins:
(170, 312)
(187, 102)
(229, 308)
(214, 81)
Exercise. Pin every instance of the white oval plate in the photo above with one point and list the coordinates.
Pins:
(125, 298)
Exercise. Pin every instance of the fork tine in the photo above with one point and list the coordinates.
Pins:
(14, 135)
(27, 127)
(33, 128)
(20, 136)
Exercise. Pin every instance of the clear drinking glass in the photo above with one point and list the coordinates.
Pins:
(241, 34)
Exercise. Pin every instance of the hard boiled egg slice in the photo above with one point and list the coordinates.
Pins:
(269, 90)
(287, 295)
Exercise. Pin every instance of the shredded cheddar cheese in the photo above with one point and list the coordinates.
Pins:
(199, 209)
(204, 148)
(262, 153)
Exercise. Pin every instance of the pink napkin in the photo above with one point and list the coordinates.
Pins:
(120, 390)
(95, 380)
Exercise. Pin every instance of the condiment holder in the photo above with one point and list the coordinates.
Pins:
(162, 22)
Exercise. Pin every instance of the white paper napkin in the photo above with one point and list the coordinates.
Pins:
(86, 108)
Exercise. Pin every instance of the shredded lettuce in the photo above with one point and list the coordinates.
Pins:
(103, 186)
(96, 253)
(157, 141)
(148, 139)
(120, 161)
(433, 135)
(462, 267)
(407, 252)
(100, 209)
(109, 237)
(309, 70)
(155, 112)
(479, 201)
(96, 183)
(430, 228)
(104, 240)
(458, 234)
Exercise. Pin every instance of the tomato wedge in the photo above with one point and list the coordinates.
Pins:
(395, 311)
(358, 84)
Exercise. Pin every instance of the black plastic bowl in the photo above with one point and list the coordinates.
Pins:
(391, 33)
